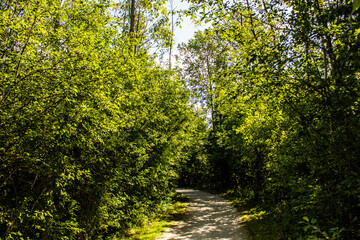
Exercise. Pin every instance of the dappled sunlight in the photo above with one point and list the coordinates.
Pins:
(209, 217)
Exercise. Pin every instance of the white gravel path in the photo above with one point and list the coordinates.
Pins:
(209, 217)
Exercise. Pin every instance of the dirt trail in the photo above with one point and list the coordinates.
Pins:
(209, 217)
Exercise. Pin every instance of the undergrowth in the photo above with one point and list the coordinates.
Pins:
(155, 226)
(265, 222)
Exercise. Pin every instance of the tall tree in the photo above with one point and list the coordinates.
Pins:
(289, 101)
(90, 132)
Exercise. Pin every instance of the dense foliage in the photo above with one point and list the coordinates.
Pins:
(90, 127)
(280, 82)
(93, 133)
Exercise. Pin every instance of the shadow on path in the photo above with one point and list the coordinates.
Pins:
(209, 217)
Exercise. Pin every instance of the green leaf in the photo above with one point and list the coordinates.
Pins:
(313, 221)
(356, 6)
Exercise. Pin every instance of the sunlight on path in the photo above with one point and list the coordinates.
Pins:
(209, 217)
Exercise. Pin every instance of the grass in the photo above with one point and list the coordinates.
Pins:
(148, 231)
(158, 224)
(260, 224)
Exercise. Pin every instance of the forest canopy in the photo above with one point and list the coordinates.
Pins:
(95, 133)
(279, 81)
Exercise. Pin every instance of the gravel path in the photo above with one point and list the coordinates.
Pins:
(209, 217)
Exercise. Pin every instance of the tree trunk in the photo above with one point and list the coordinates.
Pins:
(132, 16)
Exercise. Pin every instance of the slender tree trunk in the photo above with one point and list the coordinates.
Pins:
(133, 21)
(172, 31)
(210, 93)
(132, 16)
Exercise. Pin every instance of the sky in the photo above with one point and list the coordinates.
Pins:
(187, 30)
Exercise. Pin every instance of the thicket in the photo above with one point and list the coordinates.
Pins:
(93, 133)
(90, 127)
(278, 82)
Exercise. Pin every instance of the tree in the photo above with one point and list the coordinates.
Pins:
(90, 131)
(203, 58)
(146, 23)
(289, 104)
